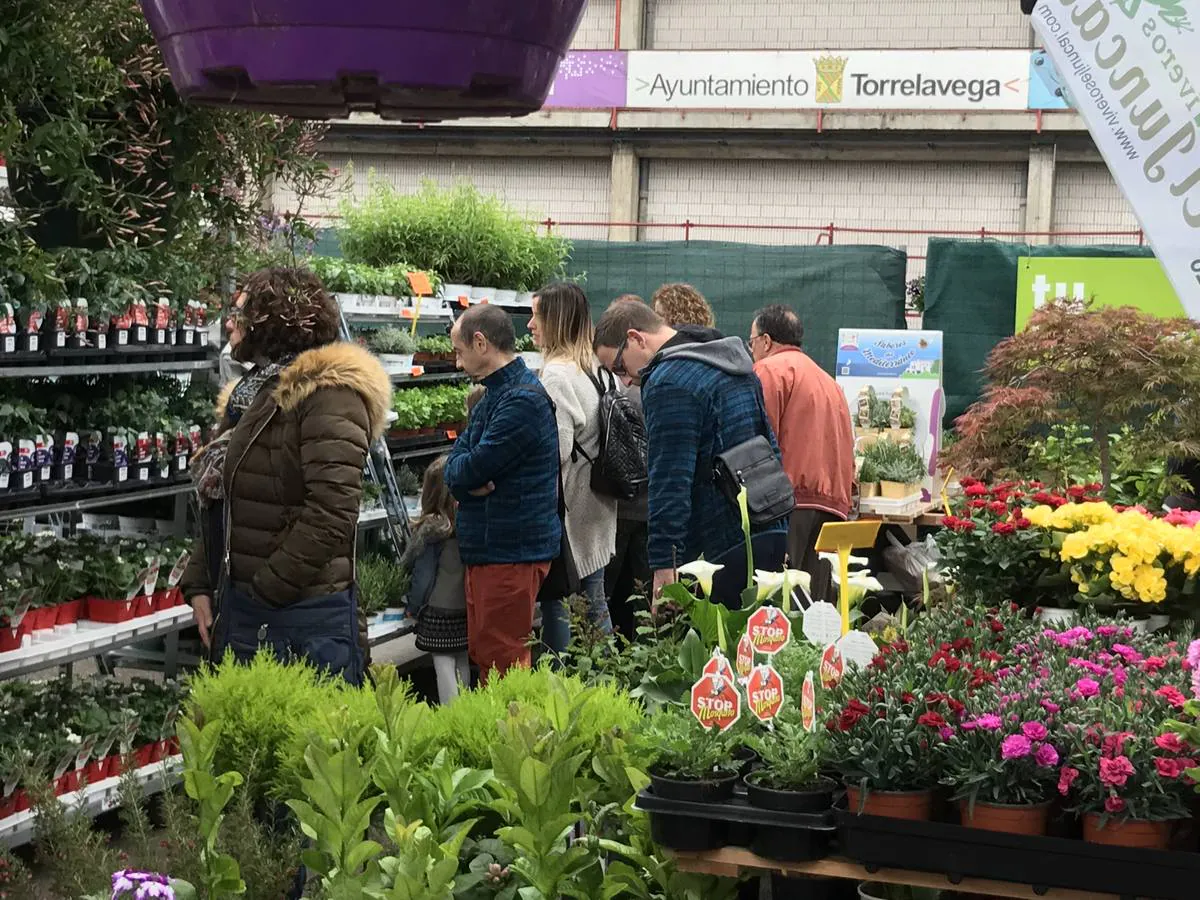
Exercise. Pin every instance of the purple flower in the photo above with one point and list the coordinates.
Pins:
(1015, 746)
(1046, 756)
(1087, 687)
(990, 722)
(1035, 731)
(947, 733)
(1196, 683)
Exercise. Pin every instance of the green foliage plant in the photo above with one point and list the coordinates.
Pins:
(221, 875)
(677, 746)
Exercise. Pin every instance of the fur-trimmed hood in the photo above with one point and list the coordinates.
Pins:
(341, 364)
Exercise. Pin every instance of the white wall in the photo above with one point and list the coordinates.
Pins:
(909, 196)
(1086, 198)
(836, 24)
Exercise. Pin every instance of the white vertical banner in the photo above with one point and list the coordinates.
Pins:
(1132, 69)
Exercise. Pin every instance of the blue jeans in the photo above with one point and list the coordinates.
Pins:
(556, 618)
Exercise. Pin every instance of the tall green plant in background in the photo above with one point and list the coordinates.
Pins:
(211, 793)
(459, 233)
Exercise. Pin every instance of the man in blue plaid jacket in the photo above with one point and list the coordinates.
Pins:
(700, 397)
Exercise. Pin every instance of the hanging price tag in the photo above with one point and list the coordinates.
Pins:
(832, 667)
(808, 703)
(716, 703)
(822, 624)
(744, 661)
(719, 665)
(764, 693)
(417, 371)
(451, 434)
(769, 630)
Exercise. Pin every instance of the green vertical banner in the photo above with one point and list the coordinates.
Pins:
(1140, 283)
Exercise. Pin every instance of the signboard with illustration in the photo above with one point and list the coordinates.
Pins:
(1106, 281)
(892, 362)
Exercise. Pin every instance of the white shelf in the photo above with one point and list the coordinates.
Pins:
(97, 798)
(372, 516)
(115, 367)
(117, 498)
(389, 631)
(90, 639)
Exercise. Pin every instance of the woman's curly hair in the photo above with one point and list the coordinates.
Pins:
(682, 304)
(286, 311)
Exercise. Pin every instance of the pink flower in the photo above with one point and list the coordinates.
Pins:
(1050, 707)
(1106, 630)
(1114, 805)
(990, 722)
(1120, 676)
(1196, 683)
(946, 733)
(1066, 778)
(1127, 653)
(1015, 746)
(1170, 742)
(1035, 731)
(1115, 772)
(1193, 654)
(968, 725)
(1168, 768)
(1046, 756)
(1087, 687)
(1172, 695)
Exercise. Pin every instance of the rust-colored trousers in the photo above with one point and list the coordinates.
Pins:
(500, 602)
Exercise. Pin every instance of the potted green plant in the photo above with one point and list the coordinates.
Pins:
(868, 478)
(789, 779)
(899, 467)
(381, 584)
(901, 430)
(395, 348)
(434, 348)
(688, 762)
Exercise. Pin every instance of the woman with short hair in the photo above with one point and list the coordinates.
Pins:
(562, 328)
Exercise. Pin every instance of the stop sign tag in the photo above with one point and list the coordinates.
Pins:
(764, 693)
(719, 665)
(716, 702)
(769, 630)
(744, 662)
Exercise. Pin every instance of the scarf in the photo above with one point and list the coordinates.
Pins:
(208, 464)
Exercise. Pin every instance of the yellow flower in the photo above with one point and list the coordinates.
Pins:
(1040, 516)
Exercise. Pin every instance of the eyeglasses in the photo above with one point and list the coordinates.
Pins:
(618, 366)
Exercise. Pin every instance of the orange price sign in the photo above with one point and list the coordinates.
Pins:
(451, 435)
(419, 282)
(464, 301)
(417, 371)
(407, 312)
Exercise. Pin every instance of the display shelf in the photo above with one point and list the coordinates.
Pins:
(733, 862)
(369, 517)
(118, 498)
(101, 797)
(388, 631)
(92, 639)
(408, 378)
(115, 368)
(429, 450)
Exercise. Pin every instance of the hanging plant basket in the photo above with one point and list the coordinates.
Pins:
(402, 59)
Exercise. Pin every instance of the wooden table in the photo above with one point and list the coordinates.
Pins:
(732, 862)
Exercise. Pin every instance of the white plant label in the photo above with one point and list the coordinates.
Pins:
(858, 648)
(822, 624)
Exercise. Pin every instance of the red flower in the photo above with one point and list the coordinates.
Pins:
(1066, 778)
(1114, 805)
(1115, 772)
(1043, 498)
(1021, 523)
(977, 504)
(1170, 742)
(1170, 768)
(1004, 528)
(851, 715)
(1094, 488)
(953, 523)
(998, 506)
(906, 697)
(975, 490)
(996, 626)
(931, 719)
(1172, 695)
(1035, 485)
(968, 482)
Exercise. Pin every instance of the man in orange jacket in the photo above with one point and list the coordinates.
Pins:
(812, 423)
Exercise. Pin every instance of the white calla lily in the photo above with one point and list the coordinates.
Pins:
(702, 570)
(771, 583)
(832, 559)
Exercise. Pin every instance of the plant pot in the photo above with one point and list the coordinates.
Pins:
(1058, 618)
(44, 617)
(915, 806)
(100, 609)
(68, 613)
(11, 638)
(815, 798)
(869, 490)
(870, 891)
(897, 490)
(1157, 623)
(1127, 832)
(163, 600)
(715, 790)
(142, 756)
(900, 435)
(747, 759)
(293, 57)
(1011, 818)
(143, 605)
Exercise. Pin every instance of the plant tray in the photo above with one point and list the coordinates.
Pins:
(908, 506)
(314, 59)
(786, 837)
(1044, 862)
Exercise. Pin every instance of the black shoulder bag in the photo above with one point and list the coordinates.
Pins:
(754, 465)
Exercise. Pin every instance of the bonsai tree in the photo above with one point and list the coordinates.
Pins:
(1099, 368)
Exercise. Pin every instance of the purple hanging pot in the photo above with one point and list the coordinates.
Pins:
(403, 59)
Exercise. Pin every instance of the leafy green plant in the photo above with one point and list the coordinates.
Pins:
(391, 340)
(407, 481)
(895, 462)
(792, 756)
(437, 344)
(221, 875)
(677, 746)
(381, 584)
(525, 344)
(464, 236)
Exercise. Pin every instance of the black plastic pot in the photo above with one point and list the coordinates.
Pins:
(817, 798)
(715, 790)
(747, 759)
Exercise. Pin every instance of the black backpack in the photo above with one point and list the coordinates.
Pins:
(619, 469)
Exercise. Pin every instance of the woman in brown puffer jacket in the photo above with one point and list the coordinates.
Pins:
(280, 486)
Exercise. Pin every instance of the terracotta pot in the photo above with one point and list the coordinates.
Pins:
(1127, 832)
(1012, 818)
(915, 806)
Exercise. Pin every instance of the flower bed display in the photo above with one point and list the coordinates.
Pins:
(51, 583)
(65, 733)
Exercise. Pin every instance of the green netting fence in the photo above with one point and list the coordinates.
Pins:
(971, 296)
